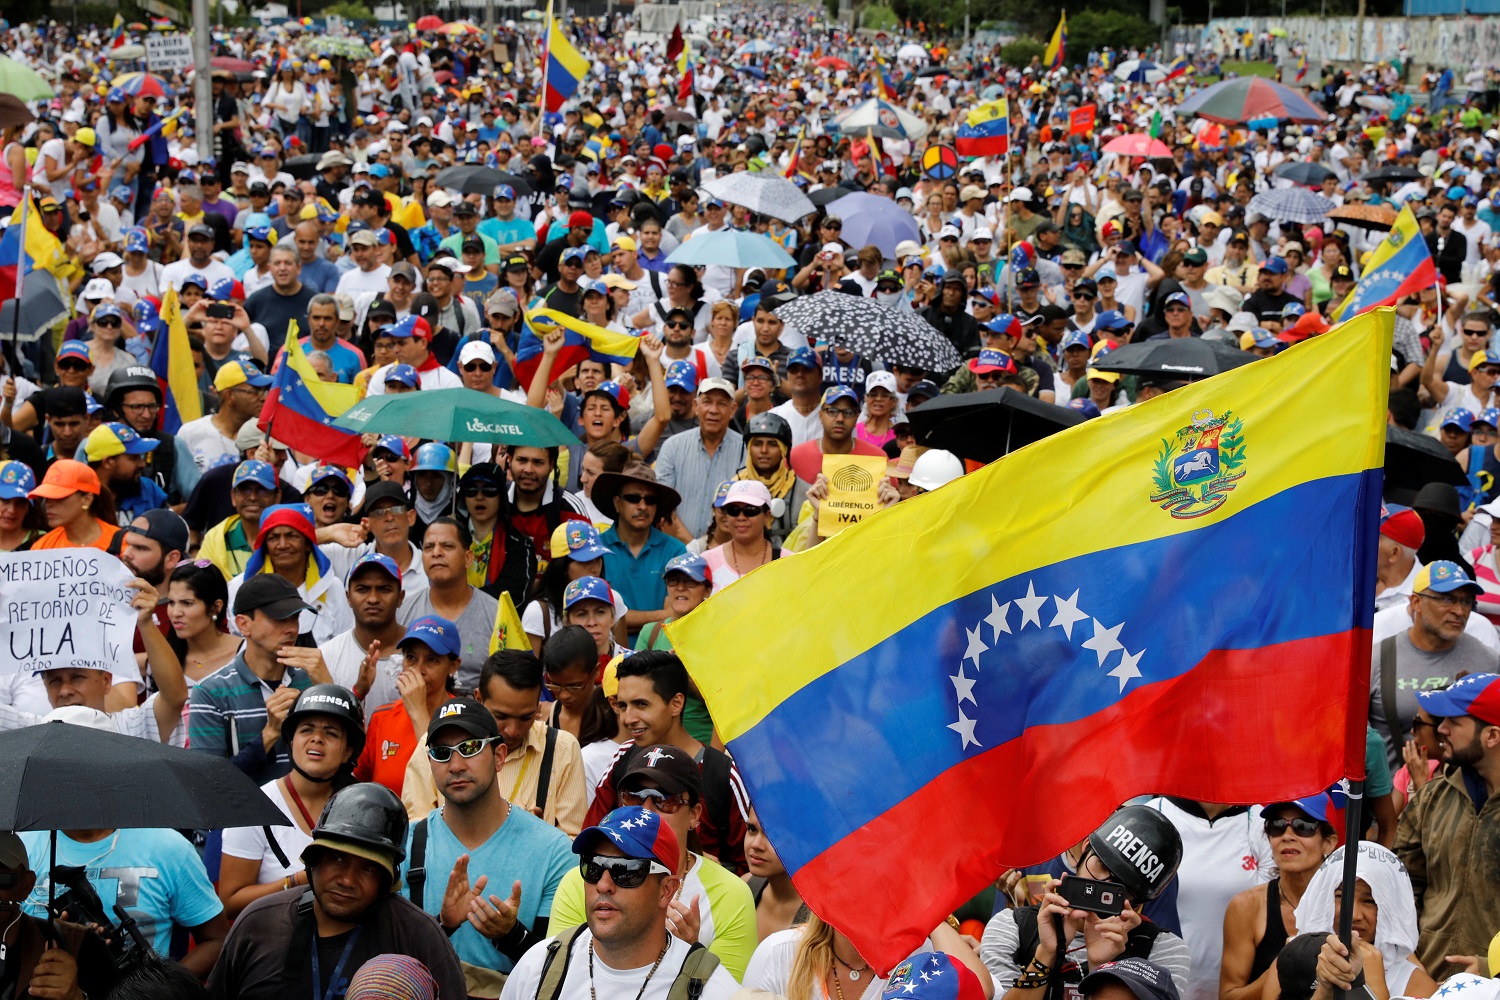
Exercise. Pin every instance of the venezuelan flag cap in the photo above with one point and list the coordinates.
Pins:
(1477, 695)
(635, 830)
(933, 976)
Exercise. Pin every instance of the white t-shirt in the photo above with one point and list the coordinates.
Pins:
(343, 655)
(526, 977)
(534, 623)
(804, 429)
(771, 965)
(356, 281)
(173, 274)
(208, 446)
(56, 151)
(250, 843)
(433, 378)
(148, 282)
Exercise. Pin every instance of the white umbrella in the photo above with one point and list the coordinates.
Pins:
(762, 193)
(1131, 69)
(1375, 103)
(912, 51)
(880, 119)
(125, 52)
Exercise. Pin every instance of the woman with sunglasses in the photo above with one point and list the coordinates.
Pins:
(684, 292)
(1261, 920)
(504, 559)
(198, 610)
(324, 733)
(746, 507)
(107, 326)
(576, 551)
(713, 907)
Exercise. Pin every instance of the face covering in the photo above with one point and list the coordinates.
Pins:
(887, 298)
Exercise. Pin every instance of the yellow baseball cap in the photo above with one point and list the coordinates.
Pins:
(624, 243)
(85, 135)
(238, 373)
(1106, 376)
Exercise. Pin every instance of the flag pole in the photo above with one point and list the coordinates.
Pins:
(546, 58)
(1353, 829)
(12, 361)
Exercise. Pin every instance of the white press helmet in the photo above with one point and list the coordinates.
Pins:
(935, 468)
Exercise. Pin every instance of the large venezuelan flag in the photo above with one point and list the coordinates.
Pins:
(580, 341)
(1175, 598)
(1057, 46)
(300, 409)
(566, 66)
(1401, 266)
(172, 360)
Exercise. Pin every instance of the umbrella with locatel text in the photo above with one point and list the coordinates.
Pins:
(459, 414)
(892, 335)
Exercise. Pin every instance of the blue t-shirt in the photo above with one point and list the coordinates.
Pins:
(524, 849)
(504, 231)
(321, 276)
(155, 874)
(346, 364)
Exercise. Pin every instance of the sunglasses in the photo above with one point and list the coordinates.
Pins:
(107, 322)
(627, 873)
(73, 366)
(1301, 827)
(741, 510)
(639, 498)
(478, 366)
(833, 225)
(469, 492)
(1085, 296)
(323, 489)
(466, 749)
(679, 325)
(1476, 333)
(394, 510)
(655, 799)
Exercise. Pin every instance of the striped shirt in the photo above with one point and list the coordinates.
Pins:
(686, 466)
(227, 711)
(138, 721)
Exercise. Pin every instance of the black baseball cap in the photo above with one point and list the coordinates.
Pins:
(272, 594)
(164, 527)
(465, 208)
(673, 770)
(384, 490)
(466, 714)
(1146, 980)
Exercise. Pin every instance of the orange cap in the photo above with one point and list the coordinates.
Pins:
(65, 478)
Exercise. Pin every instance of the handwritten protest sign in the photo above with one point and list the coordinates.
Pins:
(853, 491)
(65, 608)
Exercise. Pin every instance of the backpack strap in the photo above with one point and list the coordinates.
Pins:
(652, 631)
(656, 285)
(544, 776)
(550, 983)
(416, 872)
(304, 928)
(276, 848)
(696, 970)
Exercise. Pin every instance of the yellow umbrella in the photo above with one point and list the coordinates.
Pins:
(1278, 32)
(461, 28)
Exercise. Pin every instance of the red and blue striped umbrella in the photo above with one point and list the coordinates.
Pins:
(136, 84)
(1248, 98)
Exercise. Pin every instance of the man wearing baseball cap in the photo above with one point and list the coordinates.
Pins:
(694, 462)
(413, 337)
(116, 453)
(628, 864)
(1432, 650)
(198, 259)
(430, 653)
(1396, 567)
(253, 488)
(1129, 979)
(237, 712)
(839, 415)
(242, 391)
(1448, 837)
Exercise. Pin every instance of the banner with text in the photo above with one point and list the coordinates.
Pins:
(169, 53)
(65, 608)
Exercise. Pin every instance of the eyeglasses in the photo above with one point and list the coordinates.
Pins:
(107, 322)
(677, 284)
(323, 489)
(75, 366)
(758, 377)
(132, 407)
(639, 498)
(478, 366)
(555, 688)
(386, 513)
(466, 749)
(627, 873)
(1450, 600)
(1422, 724)
(840, 412)
(833, 225)
(1072, 267)
(488, 490)
(1085, 296)
(655, 799)
(1301, 827)
(741, 510)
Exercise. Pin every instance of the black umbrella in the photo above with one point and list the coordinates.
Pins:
(1186, 358)
(41, 306)
(677, 116)
(1414, 460)
(1393, 173)
(470, 178)
(894, 336)
(982, 426)
(522, 185)
(302, 167)
(825, 196)
(57, 776)
(1311, 174)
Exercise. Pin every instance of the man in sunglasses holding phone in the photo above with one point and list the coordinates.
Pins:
(486, 870)
(628, 863)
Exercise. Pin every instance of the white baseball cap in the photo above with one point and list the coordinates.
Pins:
(880, 380)
(983, 233)
(476, 350)
(1020, 194)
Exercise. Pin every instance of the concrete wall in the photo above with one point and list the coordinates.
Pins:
(1460, 42)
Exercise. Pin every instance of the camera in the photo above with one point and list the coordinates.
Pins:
(220, 310)
(127, 946)
(1104, 898)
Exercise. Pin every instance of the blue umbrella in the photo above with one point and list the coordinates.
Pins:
(754, 71)
(732, 248)
(755, 48)
(869, 218)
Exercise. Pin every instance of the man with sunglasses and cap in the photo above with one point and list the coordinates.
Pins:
(308, 940)
(35, 965)
(628, 863)
(486, 870)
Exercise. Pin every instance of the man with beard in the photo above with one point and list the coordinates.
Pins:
(152, 546)
(114, 452)
(349, 912)
(537, 504)
(522, 858)
(1448, 837)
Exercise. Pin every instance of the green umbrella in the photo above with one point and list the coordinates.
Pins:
(23, 81)
(456, 415)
